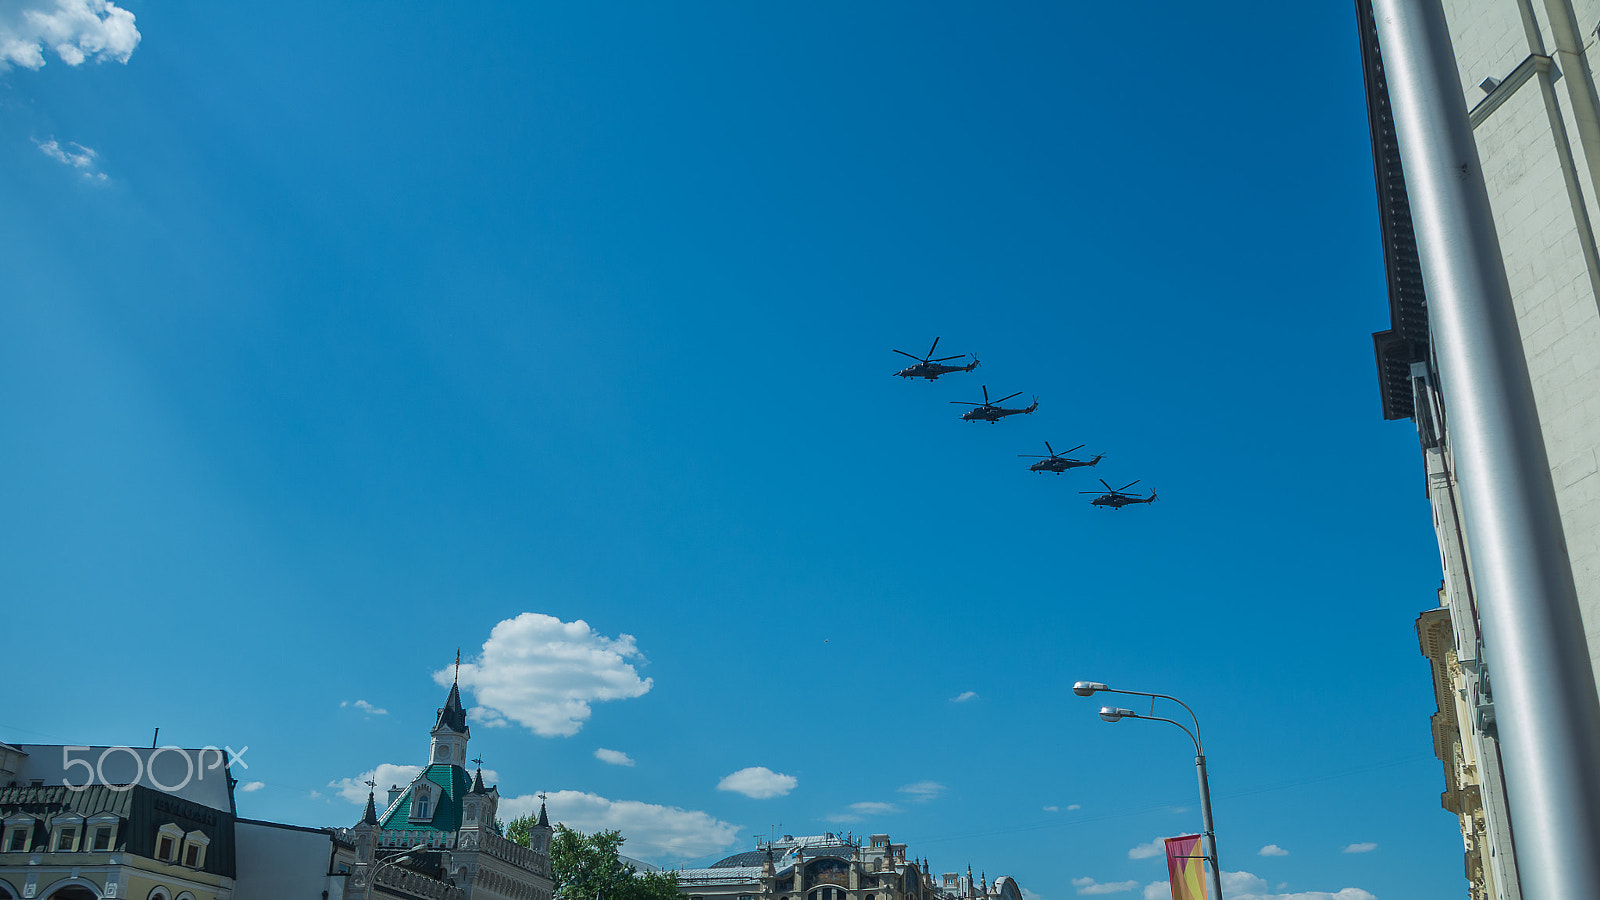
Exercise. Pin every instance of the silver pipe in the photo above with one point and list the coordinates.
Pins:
(1546, 707)
(1210, 847)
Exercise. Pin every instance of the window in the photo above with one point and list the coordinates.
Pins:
(194, 849)
(66, 839)
(102, 838)
(168, 837)
(18, 837)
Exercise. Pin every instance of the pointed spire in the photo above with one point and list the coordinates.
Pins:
(370, 817)
(477, 783)
(452, 716)
(544, 820)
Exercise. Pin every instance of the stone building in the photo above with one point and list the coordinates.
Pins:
(835, 867)
(1526, 76)
(115, 823)
(437, 838)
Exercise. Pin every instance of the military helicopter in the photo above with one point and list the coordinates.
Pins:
(1117, 498)
(930, 368)
(1058, 463)
(990, 411)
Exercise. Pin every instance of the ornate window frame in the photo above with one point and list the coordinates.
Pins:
(23, 824)
(173, 836)
(194, 849)
(66, 833)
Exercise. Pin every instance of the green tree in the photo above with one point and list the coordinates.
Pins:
(586, 866)
(518, 829)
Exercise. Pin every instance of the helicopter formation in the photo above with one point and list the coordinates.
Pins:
(929, 368)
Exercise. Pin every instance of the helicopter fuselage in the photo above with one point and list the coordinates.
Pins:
(995, 413)
(1059, 465)
(1118, 501)
(932, 370)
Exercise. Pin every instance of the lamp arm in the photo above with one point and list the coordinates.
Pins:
(1185, 728)
(1196, 719)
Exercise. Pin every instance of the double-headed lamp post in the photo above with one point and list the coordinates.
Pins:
(1115, 714)
(401, 860)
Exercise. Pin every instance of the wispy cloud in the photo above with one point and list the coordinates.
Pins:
(862, 810)
(75, 30)
(1272, 850)
(922, 791)
(1364, 847)
(1052, 809)
(613, 757)
(964, 697)
(1157, 847)
(1089, 886)
(758, 782)
(1245, 886)
(654, 832)
(543, 673)
(73, 155)
(365, 707)
(252, 786)
(1072, 806)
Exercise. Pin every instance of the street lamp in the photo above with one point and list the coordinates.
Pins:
(1117, 714)
(402, 859)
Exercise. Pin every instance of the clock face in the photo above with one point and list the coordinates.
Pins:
(441, 752)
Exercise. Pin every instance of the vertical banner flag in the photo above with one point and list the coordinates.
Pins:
(1186, 868)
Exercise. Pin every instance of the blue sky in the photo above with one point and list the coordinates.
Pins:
(338, 335)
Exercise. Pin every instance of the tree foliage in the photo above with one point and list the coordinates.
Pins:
(586, 867)
(518, 829)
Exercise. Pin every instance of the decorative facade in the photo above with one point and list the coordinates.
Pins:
(1527, 79)
(835, 867)
(437, 838)
(68, 835)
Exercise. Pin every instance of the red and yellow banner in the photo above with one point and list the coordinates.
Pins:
(1186, 868)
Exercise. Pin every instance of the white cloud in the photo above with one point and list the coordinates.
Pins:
(76, 30)
(1052, 809)
(654, 832)
(873, 808)
(1030, 895)
(1245, 886)
(543, 673)
(1365, 847)
(355, 789)
(1089, 886)
(1073, 806)
(252, 786)
(964, 696)
(922, 791)
(316, 795)
(1157, 847)
(72, 155)
(614, 757)
(1272, 850)
(758, 782)
(365, 707)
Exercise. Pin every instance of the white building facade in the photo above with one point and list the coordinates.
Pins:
(1526, 74)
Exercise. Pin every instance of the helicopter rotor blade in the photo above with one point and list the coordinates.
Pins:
(986, 395)
(968, 403)
(1128, 485)
(1052, 449)
(917, 358)
(935, 344)
(947, 358)
(1079, 447)
(1108, 487)
(1030, 456)
(1007, 397)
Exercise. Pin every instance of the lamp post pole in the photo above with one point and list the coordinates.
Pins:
(1208, 835)
(402, 859)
